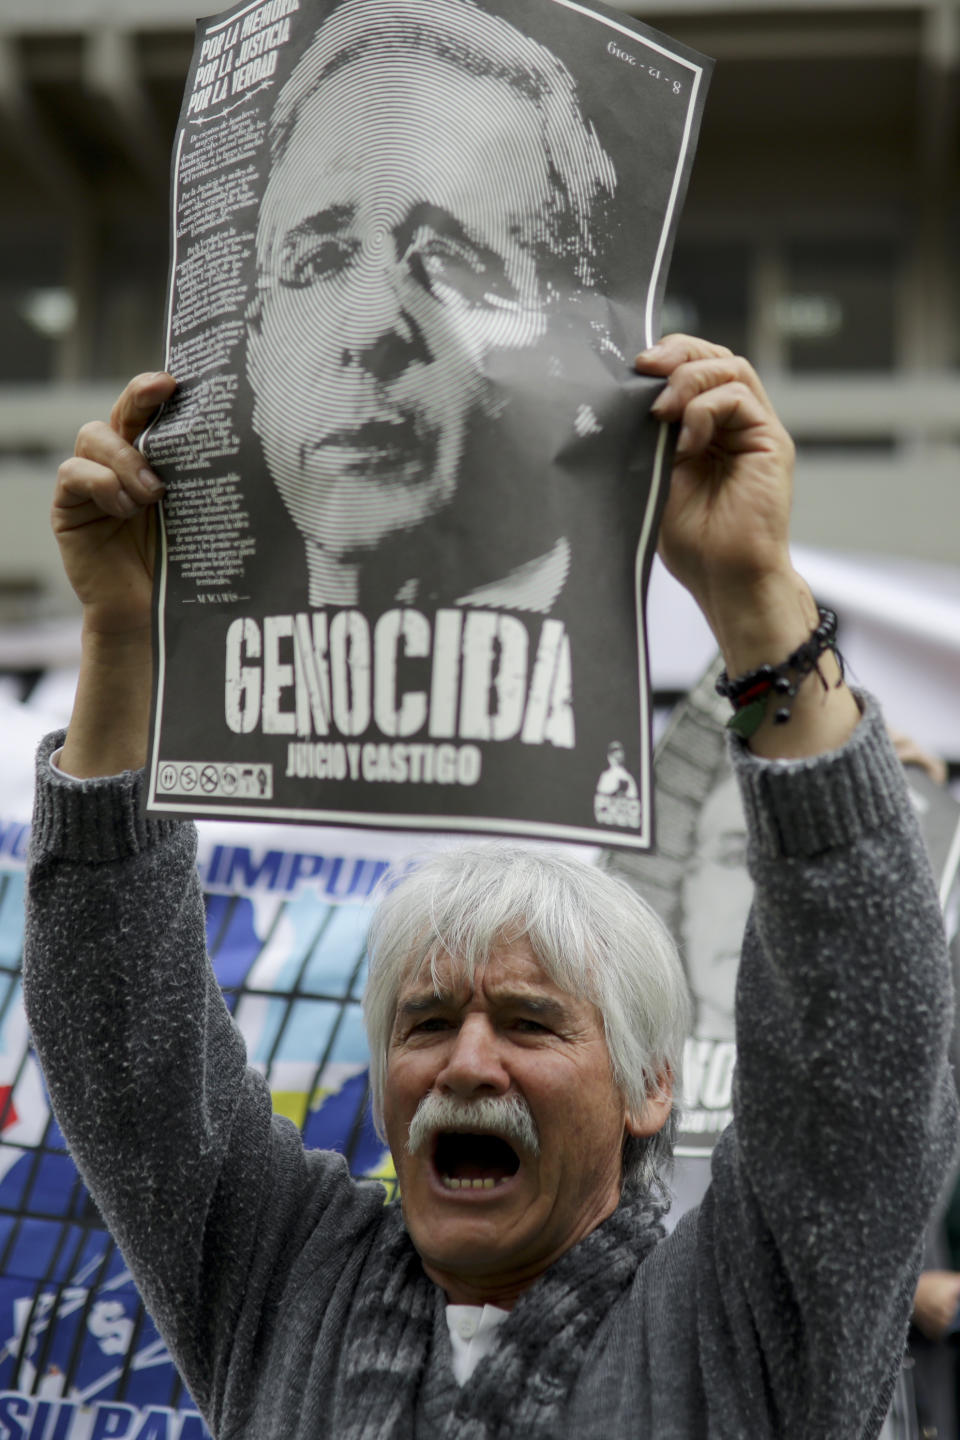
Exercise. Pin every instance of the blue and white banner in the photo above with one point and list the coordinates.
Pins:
(79, 1358)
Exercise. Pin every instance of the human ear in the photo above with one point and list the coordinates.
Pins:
(655, 1112)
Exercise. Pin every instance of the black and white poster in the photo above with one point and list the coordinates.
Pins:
(413, 482)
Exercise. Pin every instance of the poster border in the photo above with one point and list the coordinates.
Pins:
(447, 823)
(377, 820)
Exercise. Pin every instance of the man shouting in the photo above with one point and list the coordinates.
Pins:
(526, 1018)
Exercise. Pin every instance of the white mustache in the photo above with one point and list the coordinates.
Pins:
(507, 1116)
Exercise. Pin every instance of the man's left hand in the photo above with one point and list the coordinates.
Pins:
(725, 532)
(725, 528)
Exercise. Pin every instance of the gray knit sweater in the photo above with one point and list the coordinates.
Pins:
(778, 1309)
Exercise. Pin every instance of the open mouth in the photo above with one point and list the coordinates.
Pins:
(465, 1161)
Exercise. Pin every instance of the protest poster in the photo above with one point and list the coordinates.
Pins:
(413, 481)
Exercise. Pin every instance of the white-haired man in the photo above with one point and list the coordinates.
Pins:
(426, 259)
(525, 1020)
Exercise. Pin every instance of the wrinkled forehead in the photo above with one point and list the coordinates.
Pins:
(386, 110)
(509, 966)
(422, 35)
(376, 143)
(409, 83)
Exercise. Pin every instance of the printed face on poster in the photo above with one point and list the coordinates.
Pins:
(413, 480)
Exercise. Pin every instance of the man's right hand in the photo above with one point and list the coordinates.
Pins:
(103, 513)
(104, 518)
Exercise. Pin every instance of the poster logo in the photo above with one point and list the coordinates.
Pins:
(615, 801)
(218, 780)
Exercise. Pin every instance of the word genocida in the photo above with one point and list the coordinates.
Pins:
(467, 674)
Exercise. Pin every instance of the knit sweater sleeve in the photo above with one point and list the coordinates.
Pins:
(810, 1235)
(199, 1183)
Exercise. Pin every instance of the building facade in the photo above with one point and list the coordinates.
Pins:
(821, 237)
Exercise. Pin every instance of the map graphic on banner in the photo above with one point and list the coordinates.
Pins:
(79, 1358)
(413, 480)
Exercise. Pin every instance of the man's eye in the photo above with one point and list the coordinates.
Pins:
(447, 268)
(431, 1025)
(530, 1027)
(307, 258)
(446, 260)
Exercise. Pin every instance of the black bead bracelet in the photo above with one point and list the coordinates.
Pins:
(750, 694)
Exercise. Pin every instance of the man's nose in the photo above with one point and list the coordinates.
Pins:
(400, 344)
(474, 1063)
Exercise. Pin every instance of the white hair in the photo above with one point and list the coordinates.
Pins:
(593, 936)
(457, 32)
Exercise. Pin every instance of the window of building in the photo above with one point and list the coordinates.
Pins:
(131, 288)
(837, 308)
(708, 293)
(36, 306)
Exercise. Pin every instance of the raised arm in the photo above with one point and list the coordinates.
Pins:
(104, 518)
(725, 534)
(809, 1237)
(200, 1183)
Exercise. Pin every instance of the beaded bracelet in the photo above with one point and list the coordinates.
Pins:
(749, 694)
